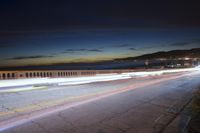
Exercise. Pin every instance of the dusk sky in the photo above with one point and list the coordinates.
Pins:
(61, 31)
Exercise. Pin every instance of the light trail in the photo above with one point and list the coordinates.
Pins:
(84, 80)
(160, 72)
(16, 121)
(197, 67)
(28, 88)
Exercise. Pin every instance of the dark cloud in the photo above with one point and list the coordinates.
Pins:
(82, 50)
(195, 41)
(180, 44)
(132, 48)
(95, 50)
(29, 57)
(69, 51)
(185, 43)
(122, 45)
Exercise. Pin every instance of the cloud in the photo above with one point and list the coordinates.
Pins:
(82, 50)
(69, 51)
(132, 48)
(95, 50)
(122, 45)
(29, 57)
(180, 44)
(185, 43)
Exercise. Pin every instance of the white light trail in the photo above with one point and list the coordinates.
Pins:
(197, 66)
(27, 88)
(160, 72)
(83, 80)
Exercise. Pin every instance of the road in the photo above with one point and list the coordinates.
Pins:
(135, 105)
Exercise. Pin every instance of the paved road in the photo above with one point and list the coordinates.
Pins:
(136, 105)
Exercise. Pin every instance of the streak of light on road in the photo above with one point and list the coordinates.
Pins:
(60, 103)
(83, 80)
(27, 88)
(197, 66)
(16, 121)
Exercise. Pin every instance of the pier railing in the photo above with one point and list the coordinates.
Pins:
(55, 73)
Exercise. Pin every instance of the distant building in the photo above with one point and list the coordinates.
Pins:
(181, 63)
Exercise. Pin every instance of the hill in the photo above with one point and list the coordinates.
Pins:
(174, 54)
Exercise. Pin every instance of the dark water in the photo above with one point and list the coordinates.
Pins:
(82, 66)
(92, 66)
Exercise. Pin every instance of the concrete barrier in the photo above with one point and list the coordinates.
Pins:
(55, 73)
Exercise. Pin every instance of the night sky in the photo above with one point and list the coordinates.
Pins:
(46, 32)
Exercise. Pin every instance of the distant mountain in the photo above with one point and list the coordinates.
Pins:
(174, 54)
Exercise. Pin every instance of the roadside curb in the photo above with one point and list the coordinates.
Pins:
(184, 122)
(194, 125)
(181, 121)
